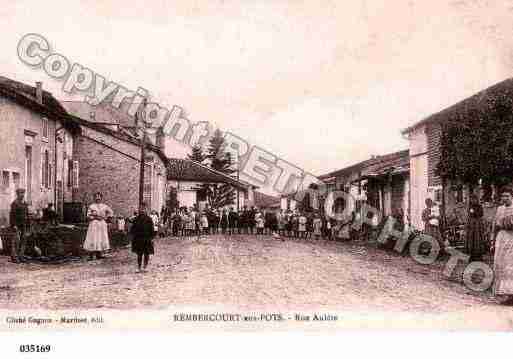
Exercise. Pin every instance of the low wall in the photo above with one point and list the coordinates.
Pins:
(60, 241)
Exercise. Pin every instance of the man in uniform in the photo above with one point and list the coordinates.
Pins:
(19, 221)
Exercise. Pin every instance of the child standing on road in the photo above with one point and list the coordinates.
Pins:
(142, 238)
(317, 226)
(302, 225)
(204, 223)
(259, 221)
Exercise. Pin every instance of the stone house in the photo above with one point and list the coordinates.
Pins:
(110, 163)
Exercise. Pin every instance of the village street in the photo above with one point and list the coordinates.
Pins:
(242, 272)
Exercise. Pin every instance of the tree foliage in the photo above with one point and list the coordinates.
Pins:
(477, 142)
(219, 194)
(197, 154)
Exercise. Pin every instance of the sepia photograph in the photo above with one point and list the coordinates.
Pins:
(256, 166)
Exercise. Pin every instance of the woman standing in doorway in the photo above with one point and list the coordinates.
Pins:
(97, 239)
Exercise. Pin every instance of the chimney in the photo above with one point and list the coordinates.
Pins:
(39, 92)
(92, 116)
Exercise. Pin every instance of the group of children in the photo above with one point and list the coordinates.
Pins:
(188, 222)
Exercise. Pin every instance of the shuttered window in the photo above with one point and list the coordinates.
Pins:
(75, 174)
(44, 135)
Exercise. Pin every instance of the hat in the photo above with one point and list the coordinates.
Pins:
(20, 190)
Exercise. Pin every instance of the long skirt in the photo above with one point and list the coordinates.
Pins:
(434, 232)
(503, 263)
(142, 245)
(475, 242)
(97, 238)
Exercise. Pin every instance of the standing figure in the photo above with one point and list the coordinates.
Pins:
(242, 220)
(204, 223)
(155, 218)
(502, 232)
(224, 221)
(195, 221)
(217, 219)
(233, 219)
(280, 219)
(143, 231)
(302, 225)
(251, 220)
(431, 219)
(129, 222)
(288, 223)
(317, 226)
(184, 221)
(259, 222)
(97, 238)
(176, 223)
(191, 223)
(165, 215)
(272, 221)
(19, 221)
(475, 244)
(295, 224)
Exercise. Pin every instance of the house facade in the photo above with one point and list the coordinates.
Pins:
(185, 178)
(381, 181)
(385, 183)
(37, 142)
(425, 153)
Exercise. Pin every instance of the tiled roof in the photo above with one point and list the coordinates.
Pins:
(393, 162)
(48, 99)
(121, 134)
(188, 170)
(25, 95)
(344, 172)
(390, 163)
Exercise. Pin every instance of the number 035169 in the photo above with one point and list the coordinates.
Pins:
(31, 348)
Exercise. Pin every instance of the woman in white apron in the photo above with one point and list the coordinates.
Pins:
(503, 258)
(97, 239)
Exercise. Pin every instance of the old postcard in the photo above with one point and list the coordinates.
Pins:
(235, 166)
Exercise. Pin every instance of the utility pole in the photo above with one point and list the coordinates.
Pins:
(237, 164)
(140, 124)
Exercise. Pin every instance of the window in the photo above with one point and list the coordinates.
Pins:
(46, 169)
(70, 173)
(50, 175)
(5, 180)
(28, 172)
(44, 135)
(438, 195)
(75, 174)
(16, 180)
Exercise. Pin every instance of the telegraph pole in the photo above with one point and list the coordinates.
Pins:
(237, 164)
(141, 124)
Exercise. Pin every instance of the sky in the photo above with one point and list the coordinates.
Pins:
(321, 84)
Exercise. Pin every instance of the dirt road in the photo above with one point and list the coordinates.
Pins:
(244, 272)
